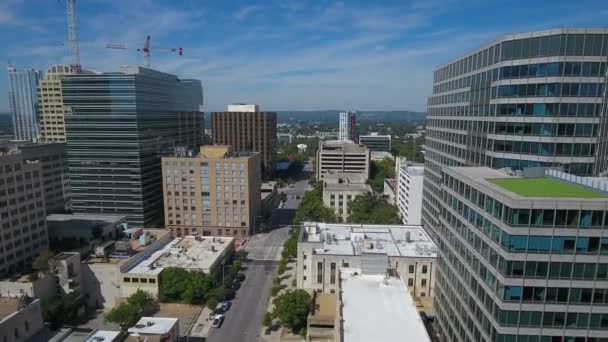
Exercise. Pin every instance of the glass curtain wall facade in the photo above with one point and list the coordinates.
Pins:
(23, 101)
(118, 125)
(515, 269)
(527, 100)
(531, 99)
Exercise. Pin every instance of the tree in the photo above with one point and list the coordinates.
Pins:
(44, 262)
(292, 308)
(372, 209)
(97, 231)
(212, 303)
(379, 171)
(138, 305)
(197, 288)
(62, 310)
(172, 284)
(267, 319)
(312, 208)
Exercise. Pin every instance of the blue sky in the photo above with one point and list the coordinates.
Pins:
(283, 54)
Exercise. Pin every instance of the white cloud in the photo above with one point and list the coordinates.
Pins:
(244, 12)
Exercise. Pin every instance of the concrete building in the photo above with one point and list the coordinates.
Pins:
(216, 192)
(410, 179)
(375, 307)
(192, 253)
(22, 213)
(53, 160)
(339, 156)
(44, 287)
(324, 320)
(85, 226)
(23, 102)
(376, 142)
(86, 335)
(103, 269)
(284, 138)
(521, 257)
(247, 129)
(348, 127)
(20, 318)
(390, 191)
(54, 165)
(68, 272)
(50, 104)
(324, 249)
(339, 189)
(150, 114)
(533, 99)
(381, 155)
(154, 329)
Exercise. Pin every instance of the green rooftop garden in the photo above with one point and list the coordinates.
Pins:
(545, 187)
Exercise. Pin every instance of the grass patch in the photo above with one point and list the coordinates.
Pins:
(545, 187)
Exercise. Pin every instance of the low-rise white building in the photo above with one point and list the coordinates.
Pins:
(192, 253)
(377, 308)
(410, 178)
(155, 329)
(340, 188)
(324, 249)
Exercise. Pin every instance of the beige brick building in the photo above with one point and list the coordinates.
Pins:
(247, 129)
(50, 100)
(215, 193)
(22, 214)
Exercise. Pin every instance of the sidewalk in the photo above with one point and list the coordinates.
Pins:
(282, 334)
(202, 324)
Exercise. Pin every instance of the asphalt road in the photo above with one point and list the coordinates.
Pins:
(243, 321)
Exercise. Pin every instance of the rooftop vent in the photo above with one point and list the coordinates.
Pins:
(149, 323)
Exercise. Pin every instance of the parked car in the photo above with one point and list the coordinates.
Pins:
(226, 306)
(219, 309)
(230, 294)
(235, 285)
(217, 321)
(239, 277)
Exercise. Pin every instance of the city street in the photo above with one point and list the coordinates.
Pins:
(244, 320)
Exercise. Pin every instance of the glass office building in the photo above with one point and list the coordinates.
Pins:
(23, 101)
(530, 99)
(527, 100)
(522, 259)
(118, 125)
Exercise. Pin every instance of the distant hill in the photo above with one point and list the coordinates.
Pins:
(332, 115)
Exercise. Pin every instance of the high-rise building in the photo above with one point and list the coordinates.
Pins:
(246, 129)
(50, 104)
(214, 193)
(22, 215)
(409, 179)
(23, 101)
(348, 127)
(376, 142)
(53, 161)
(521, 258)
(342, 157)
(525, 100)
(118, 125)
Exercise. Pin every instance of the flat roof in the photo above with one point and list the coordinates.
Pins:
(102, 335)
(153, 325)
(89, 217)
(545, 187)
(8, 306)
(356, 239)
(190, 252)
(378, 309)
(324, 307)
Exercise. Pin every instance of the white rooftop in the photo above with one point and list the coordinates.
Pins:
(356, 239)
(153, 325)
(190, 252)
(103, 335)
(375, 309)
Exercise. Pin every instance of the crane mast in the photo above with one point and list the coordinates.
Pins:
(73, 36)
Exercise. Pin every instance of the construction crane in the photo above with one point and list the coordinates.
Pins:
(145, 50)
(73, 37)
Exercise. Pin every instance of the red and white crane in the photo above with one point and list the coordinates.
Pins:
(146, 50)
